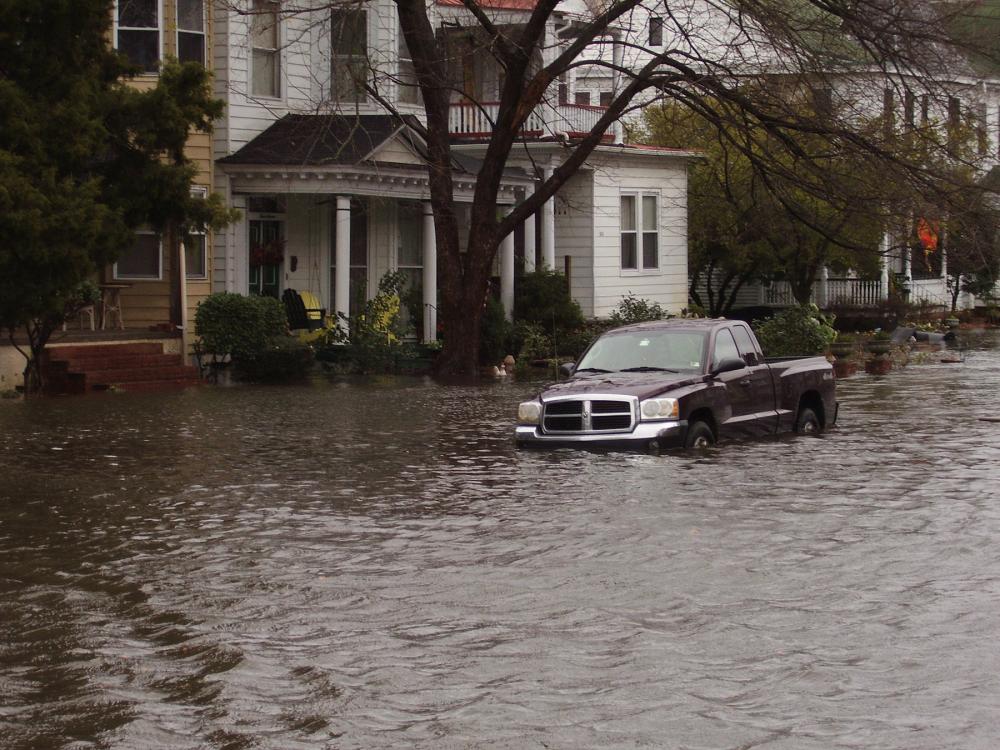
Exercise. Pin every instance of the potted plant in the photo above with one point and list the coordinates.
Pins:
(844, 345)
(879, 343)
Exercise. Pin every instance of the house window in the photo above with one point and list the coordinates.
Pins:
(909, 109)
(823, 102)
(606, 97)
(582, 97)
(191, 31)
(409, 91)
(138, 33)
(196, 247)
(982, 136)
(954, 112)
(349, 34)
(640, 221)
(265, 41)
(142, 260)
(655, 31)
(888, 113)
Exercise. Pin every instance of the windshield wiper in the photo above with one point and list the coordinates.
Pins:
(647, 368)
(591, 369)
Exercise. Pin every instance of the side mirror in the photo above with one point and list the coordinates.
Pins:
(567, 368)
(729, 364)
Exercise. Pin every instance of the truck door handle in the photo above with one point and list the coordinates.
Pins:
(745, 382)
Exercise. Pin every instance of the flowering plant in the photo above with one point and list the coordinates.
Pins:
(269, 254)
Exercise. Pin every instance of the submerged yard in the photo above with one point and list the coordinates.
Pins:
(372, 564)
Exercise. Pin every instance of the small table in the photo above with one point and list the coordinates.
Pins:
(111, 303)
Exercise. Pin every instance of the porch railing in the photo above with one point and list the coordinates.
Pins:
(476, 119)
(852, 292)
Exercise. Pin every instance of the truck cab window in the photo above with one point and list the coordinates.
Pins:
(746, 345)
(725, 347)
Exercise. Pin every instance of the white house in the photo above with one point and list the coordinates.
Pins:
(721, 40)
(333, 183)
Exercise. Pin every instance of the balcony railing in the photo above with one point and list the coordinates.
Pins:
(476, 119)
(840, 292)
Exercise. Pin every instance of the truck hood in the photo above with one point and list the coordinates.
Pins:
(640, 384)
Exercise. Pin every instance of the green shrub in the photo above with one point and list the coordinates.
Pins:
(495, 333)
(543, 297)
(238, 326)
(283, 358)
(634, 309)
(795, 331)
(530, 341)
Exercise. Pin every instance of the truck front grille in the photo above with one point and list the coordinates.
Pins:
(603, 414)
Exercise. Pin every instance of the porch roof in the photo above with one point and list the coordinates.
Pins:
(356, 153)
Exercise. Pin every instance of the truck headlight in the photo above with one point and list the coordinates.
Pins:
(659, 408)
(529, 412)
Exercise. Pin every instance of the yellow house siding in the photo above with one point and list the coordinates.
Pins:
(146, 303)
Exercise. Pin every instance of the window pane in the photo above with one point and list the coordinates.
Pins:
(142, 259)
(349, 78)
(264, 26)
(350, 32)
(745, 343)
(191, 15)
(649, 213)
(650, 250)
(409, 92)
(411, 235)
(194, 256)
(606, 97)
(190, 47)
(138, 13)
(141, 48)
(265, 73)
(628, 212)
(582, 97)
(655, 31)
(628, 251)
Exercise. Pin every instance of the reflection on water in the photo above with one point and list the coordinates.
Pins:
(374, 565)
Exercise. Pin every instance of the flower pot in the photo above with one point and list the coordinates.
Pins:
(841, 349)
(878, 347)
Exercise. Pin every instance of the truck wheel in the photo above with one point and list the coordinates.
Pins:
(699, 435)
(807, 422)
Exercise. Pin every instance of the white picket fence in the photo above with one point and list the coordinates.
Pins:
(839, 292)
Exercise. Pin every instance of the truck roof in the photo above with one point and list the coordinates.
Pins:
(697, 324)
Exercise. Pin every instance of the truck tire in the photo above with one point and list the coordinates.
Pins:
(807, 423)
(699, 435)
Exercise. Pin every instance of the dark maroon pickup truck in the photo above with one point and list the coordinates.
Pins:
(679, 383)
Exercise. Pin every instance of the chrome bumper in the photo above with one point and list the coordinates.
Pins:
(664, 434)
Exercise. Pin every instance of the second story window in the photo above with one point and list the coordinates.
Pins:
(191, 31)
(138, 32)
(349, 59)
(655, 31)
(265, 39)
(409, 91)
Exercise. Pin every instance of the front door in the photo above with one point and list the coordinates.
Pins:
(267, 256)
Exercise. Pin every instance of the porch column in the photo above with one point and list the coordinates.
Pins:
(823, 287)
(548, 230)
(530, 247)
(237, 246)
(507, 271)
(430, 275)
(342, 261)
(182, 272)
(883, 264)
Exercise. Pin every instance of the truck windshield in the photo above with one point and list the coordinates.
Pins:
(640, 351)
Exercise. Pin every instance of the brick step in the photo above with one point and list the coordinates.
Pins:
(90, 364)
(104, 350)
(146, 386)
(135, 374)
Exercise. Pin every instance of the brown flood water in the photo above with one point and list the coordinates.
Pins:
(369, 565)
